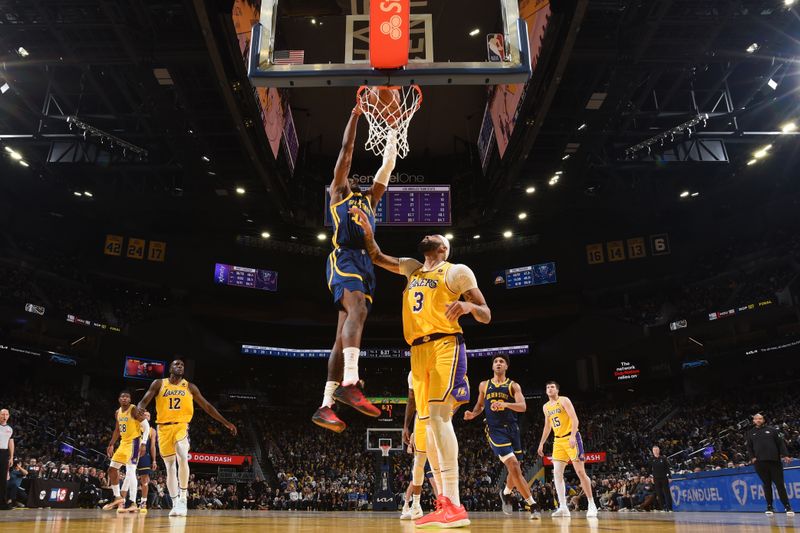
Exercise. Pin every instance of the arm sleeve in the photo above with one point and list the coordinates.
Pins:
(409, 265)
(145, 431)
(460, 279)
(410, 382)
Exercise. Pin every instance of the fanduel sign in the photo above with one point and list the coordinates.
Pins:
(731, 489)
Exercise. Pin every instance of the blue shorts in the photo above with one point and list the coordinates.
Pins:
(145, 465)
(428, 471)
(504, 440)
(350, 269)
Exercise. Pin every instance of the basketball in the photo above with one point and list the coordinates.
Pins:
(383, 102)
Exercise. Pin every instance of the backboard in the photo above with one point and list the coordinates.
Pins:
(319, 43)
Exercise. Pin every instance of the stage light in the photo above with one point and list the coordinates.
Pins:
(559, 172)
(684, 194)
(240, 190)
(76, 193)
(89, 194)
(16, 156)
(321, 236)
(476, 236)
(788, 127)
(788, 3)
(205, 158)
(752, 48)
(474, 32)
(763, 152)
(3, 88)
(507, 234)
(772, 84)
(582, 127)
(23, 163)
(265, 235)
(695, 194)
(448, 236)
(9, 149)
(22, 52)
(565, 157)
(752, 162)
(522, 216)
(530, 190)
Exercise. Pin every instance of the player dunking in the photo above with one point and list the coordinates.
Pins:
(351, 279)
(148, 463)
(175, 399)
(416, 441)
(132, 434)
(505, 401)
(431, 309)
(560, 417)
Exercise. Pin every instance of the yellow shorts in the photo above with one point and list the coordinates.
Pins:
(438, 372)
(421, 435)
(169, 435)
(563, 452)
(127, 452)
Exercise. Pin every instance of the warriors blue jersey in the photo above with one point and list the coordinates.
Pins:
(349, 267)
(502, 393)
(346, 232)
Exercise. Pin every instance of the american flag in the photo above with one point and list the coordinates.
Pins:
(289, 57)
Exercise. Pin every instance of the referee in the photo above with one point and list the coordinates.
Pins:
(766, 447)
(6, 456)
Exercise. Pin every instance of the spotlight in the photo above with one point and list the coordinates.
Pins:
(684, 194)
(522, 216)
(788, 3)
(321, 236)
(23, 163)
(22, 52)
(582, 127)
(313, 21)
(752, 162)
(695, 194)
(240, 190)
(788, 127)
(205, 158)
(474, 32)
(4, 88)
(265, 235)
(530, 190)
(507, 234)
(16, 156)
(752, 48)
(448, 236)
(772, 84)
(476, 236)
(763, 152)
(565, 157)
(76, 193)
(89, 194)
(9, 149)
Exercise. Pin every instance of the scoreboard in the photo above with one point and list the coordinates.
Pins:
(414, 205)
(379, 353)
(527, 276)
(251, 278)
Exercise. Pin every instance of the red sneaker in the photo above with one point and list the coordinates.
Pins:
(353, 396)
(324, 417)
(445, 516)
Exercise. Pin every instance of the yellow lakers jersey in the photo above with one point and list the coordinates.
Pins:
(559, 419)
(174, 403)
(425, 302)
(129, 427)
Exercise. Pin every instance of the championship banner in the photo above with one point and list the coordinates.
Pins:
(219, 459)
(730, 489)
(590, 458)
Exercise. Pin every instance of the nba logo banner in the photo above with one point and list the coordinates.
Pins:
(496, 47)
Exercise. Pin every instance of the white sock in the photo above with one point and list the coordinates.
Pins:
(530, 500)
(592, 504)
(507, 491)
(558, 481)
(327, 396)
(433, 459)
(441, 425)
(133, 483)
(350, 366)
(115, 490)
(171, 464)
(415, 500)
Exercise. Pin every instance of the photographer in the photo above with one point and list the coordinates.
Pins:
(15, 490)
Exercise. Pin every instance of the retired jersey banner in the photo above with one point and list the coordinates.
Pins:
(219, 459)
(730, 489)
(590, 458)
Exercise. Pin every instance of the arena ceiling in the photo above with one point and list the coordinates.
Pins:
(165, 76)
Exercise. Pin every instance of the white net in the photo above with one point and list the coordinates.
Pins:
(389, 118)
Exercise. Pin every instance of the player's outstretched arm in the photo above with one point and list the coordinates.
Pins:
(210, 409)
(155, 386)
(392, 264)
(519, 405)
(545, 431)
(339, 186)
(382, 176)
(479, 403)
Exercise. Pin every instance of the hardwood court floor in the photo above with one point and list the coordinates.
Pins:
(84, 521)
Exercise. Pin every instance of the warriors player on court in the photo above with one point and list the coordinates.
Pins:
(175, 399)
(351, 279)
(431, 309)
(416, 442)
(560, 417)
(148, 463)
(505, 401)
(132, 435)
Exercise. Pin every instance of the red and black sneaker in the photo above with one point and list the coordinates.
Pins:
(326, 418)
(353, 396)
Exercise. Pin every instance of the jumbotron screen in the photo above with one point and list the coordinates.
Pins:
(249, 278)
(408, 205)
(138, 368)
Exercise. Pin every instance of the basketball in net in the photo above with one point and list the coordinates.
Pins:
(388, 111)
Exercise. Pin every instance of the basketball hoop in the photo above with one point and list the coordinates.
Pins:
(388, 121)
(385, 445)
